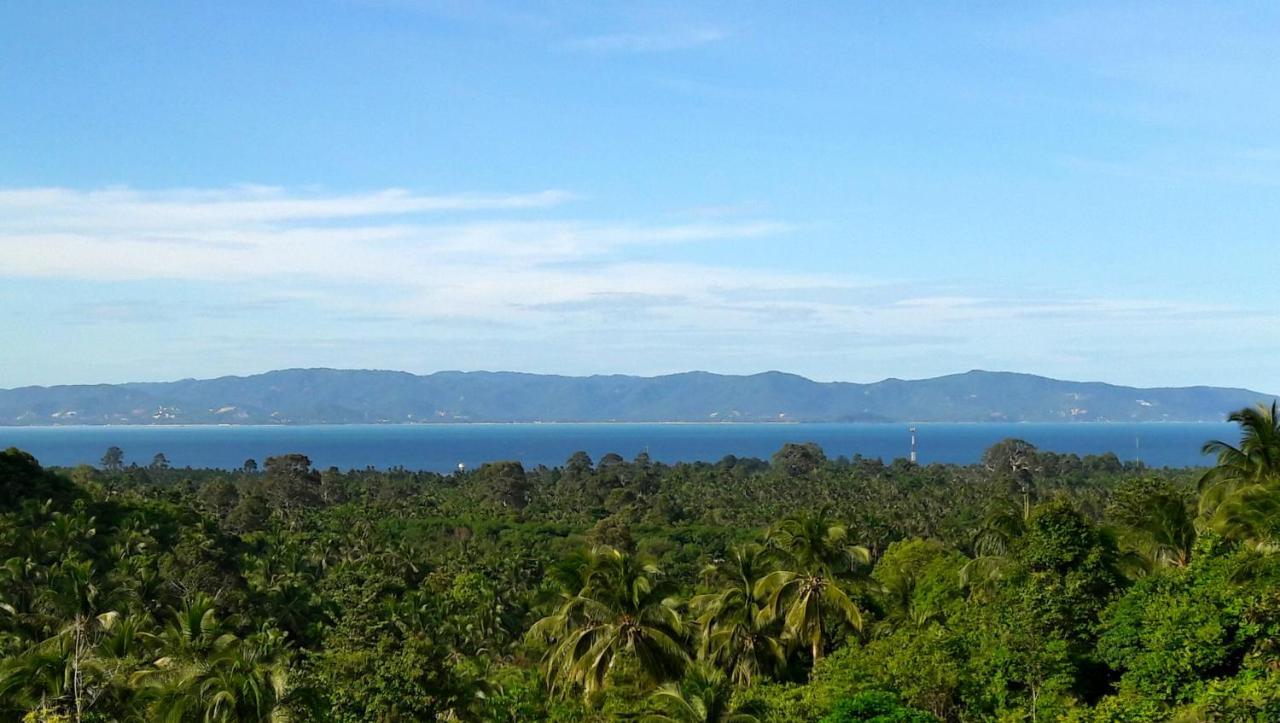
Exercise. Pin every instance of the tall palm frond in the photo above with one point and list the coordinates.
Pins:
(809, 597)
(735, 630)
(704, 696)
(1241, 494)
(622, 608)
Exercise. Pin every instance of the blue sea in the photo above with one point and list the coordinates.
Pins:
(442, 447)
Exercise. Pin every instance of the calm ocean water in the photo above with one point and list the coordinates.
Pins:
(442, 447)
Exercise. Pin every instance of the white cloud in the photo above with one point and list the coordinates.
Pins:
(484, 270)
(133, 210)
(481, 261)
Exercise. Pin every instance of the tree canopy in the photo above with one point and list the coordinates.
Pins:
(1031, 586)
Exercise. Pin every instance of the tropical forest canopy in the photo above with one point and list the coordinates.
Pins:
(1033, 586)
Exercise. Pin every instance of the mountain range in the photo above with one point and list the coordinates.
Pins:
(335, 396)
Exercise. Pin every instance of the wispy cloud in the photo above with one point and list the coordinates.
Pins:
(1247, 166)
(125, 208)
(668, 40)
(471, 255)
(481, 257)
(478, 271)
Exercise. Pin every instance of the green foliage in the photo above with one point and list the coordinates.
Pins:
(927, 667)
(613, 607)
(1175, 633)
(1071, 572)
(876, 707)
(704, 696)
(736, 632)
(1158, 520)
(388, 678)
(22, 478)
(504, 484)
(803, 589)
(798, 460)
(1240, 496)
(779, 702)
(919, 581)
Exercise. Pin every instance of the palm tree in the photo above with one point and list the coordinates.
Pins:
(704, 696)
(208, 673)
(37, 678)
(1017, 462)
(22, 581)
(1005, 523)
(1157, 520)
(899, 580)
(126, 645)
(245, 680)
(188, 648)
(74, 593)
(622, 608)
(736, 631)
(1251, 514)
(1240, 496)
(1256, 460)
(250, 681)
(809, 597)
(66, 672)
(196, 630)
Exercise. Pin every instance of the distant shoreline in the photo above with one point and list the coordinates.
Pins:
(1151, 422)
(442, 446)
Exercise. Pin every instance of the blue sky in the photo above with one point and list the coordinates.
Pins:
(841, 190)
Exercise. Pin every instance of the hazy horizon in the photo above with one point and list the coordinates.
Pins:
(642, 376)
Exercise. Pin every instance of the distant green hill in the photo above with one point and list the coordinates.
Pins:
(333, 396)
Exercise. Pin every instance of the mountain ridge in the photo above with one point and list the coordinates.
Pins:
(345, 396)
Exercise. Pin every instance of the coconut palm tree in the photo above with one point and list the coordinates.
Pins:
(66, 672)
(1250, 514)
(207, 673)
(1240, 496)
(1156, 520)
(1005, 522)
(196, 631)
(250, 681)
(127, 644)
(1255, 461)
(244, 680)
(621, 609)
(187, 650)
(736, 631)
(22, 581)
(809, 597)
(704, 696)
(36, 678)
(75, 596)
